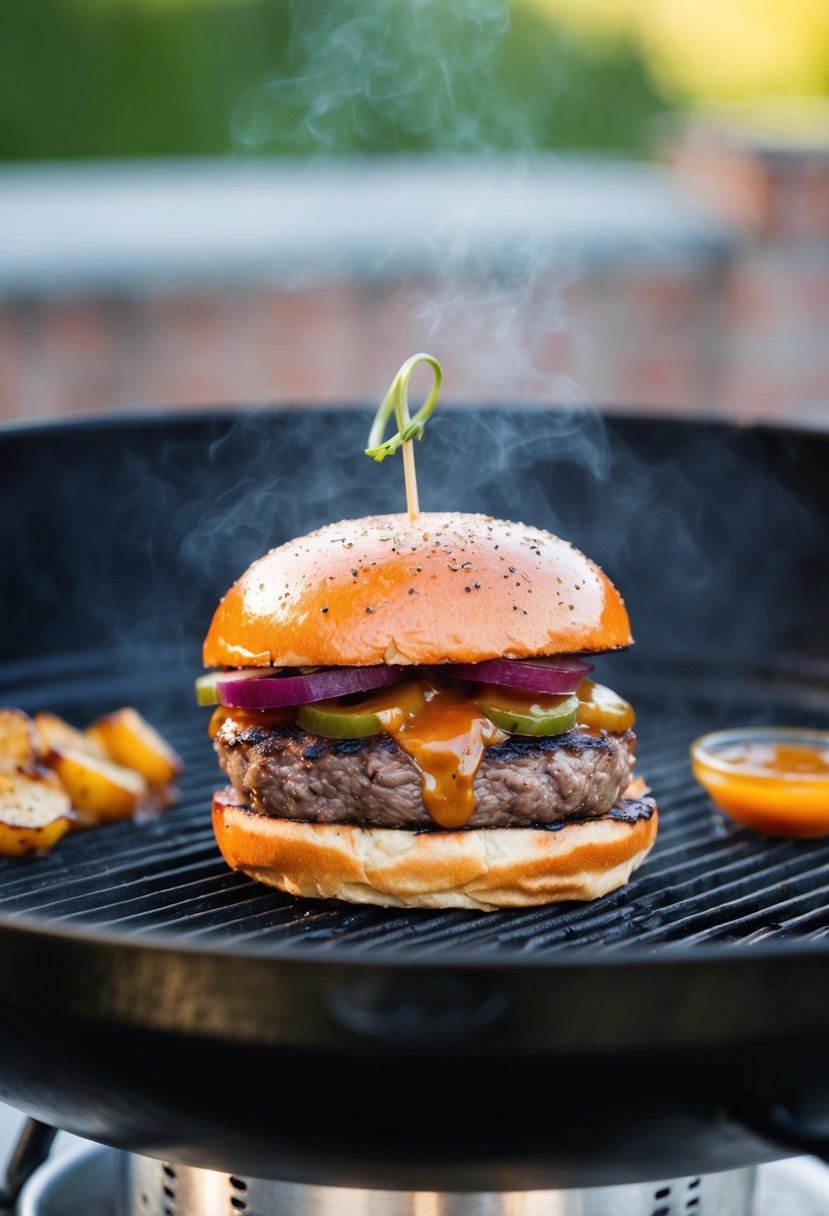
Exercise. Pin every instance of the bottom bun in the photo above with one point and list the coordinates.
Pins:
(481, 868)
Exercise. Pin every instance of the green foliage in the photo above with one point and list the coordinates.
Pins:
(100, 78)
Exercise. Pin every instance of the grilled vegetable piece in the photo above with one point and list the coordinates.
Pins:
(56, 735)
(18, 741)
(35, 812)
(100, 790)
(128, 739)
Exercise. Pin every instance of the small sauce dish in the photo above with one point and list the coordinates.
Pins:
(772, 778)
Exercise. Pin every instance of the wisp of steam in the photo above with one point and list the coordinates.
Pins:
(427, 73)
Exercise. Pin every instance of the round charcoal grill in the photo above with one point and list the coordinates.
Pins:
(153, 1000)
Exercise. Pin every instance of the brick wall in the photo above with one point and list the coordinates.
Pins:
(721, 307)
(774, 187)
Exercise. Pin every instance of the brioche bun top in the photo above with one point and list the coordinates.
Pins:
(448, 587)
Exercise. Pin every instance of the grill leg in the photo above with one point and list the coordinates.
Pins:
(31, 1151)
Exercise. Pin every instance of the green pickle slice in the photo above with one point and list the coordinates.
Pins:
(525, 713)
(357, 717)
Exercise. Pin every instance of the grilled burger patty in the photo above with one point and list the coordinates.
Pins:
(285, 772)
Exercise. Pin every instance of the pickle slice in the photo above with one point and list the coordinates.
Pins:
(523, 713)
(358, 717)
(602, 708)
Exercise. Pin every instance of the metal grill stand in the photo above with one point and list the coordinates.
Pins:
(93, 1181)
(153, 1188)
(100, 1182)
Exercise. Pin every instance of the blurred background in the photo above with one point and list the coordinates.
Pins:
(621, 202)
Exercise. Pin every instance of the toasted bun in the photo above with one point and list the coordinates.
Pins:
(448, 588)
(483, 868)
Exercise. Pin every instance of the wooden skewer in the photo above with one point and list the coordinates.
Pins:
(411, 479)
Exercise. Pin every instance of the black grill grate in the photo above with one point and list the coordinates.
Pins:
(706, 881)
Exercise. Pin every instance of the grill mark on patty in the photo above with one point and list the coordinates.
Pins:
(573, 740)
(314, 747)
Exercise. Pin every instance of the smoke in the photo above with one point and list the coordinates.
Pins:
(501, 339)
(706, 576)
(716, 536)
(483, 270)
(413, 73)
(273, 476)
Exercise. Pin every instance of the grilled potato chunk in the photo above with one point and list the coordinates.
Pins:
(54, 734)
(35, 812)
(128, 739)
(18, 742)
(100, 791)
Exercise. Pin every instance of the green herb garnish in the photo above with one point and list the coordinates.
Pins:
(396, 400)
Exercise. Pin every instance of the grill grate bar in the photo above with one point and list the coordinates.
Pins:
(690, 923)
(274, 910)
(294, 924)
(146, 897)
(754, 922)
(117, 878)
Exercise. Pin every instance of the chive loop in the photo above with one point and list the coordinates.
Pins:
(396, 401)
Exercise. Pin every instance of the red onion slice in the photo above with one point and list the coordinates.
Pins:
(553, 675)
(273, 692)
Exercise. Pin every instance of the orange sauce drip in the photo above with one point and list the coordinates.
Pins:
(779, 788)
(446, 740)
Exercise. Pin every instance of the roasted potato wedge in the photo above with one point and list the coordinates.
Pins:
(35, 812)
(18, 741)
(128, 739)
(100, 791)
(53, 734)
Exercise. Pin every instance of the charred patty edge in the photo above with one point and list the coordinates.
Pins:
(626, 810)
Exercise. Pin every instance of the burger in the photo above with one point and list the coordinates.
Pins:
(405, 718)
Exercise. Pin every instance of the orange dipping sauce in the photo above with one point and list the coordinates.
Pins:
(773, 779)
